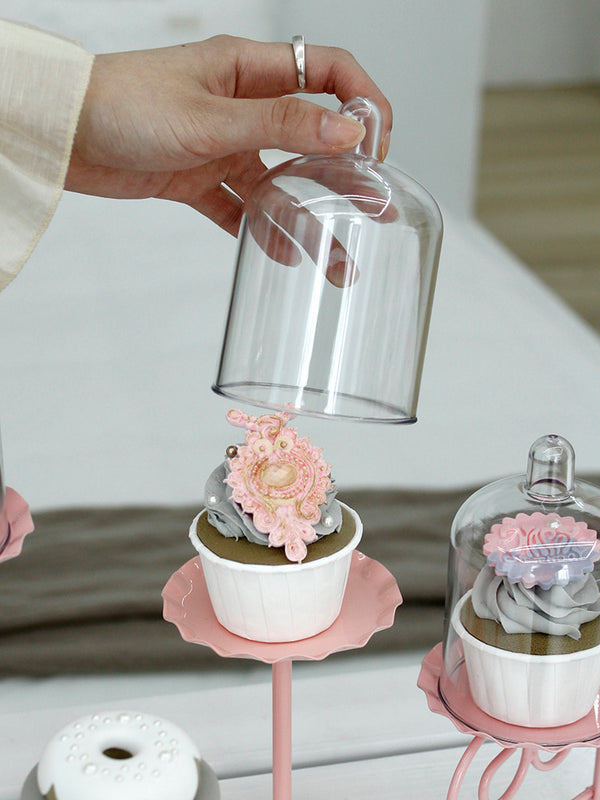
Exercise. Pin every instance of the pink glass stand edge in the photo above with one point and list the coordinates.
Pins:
(370, 602)
(20, 524)
(469, 718)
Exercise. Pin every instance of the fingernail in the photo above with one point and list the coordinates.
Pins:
(385, 146)
(340, 131)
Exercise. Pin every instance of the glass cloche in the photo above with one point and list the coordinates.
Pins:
(333, 287)
(522, 633)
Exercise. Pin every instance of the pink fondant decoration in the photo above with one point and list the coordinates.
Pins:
(541, 549)
(455, 703)
(527, 531)
(280, 479)
(20, 524)
(369, 605)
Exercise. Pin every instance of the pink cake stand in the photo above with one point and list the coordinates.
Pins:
(19, 525)
(369, 605)
(460, 708)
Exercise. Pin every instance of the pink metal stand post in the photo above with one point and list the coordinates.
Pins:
(511, 738)
(369, 605)
(282, 730)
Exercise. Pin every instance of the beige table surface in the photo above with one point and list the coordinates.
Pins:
(360, 730)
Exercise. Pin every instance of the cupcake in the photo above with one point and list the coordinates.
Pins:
(530, 626)
(274, 541)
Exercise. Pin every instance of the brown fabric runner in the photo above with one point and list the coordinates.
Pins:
(85, 595)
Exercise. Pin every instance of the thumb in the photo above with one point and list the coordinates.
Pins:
(287, 123)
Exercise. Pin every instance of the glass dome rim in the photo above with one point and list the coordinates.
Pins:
(224, 390)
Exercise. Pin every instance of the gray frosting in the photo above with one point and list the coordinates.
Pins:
(229, 519)
(558, 611)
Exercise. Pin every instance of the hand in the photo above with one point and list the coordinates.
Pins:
(183, 123)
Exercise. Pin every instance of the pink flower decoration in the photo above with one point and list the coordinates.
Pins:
(280, 479)
(291, 533)
(543, 549)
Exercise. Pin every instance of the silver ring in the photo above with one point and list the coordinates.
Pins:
(300, 58)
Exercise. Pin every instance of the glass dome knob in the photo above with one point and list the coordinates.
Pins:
(550, 469)
(364, 110)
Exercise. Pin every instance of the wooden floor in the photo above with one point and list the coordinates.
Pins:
(539, 185)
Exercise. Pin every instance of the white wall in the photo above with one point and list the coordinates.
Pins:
(533, 42)
(427, 56)
(111, 25)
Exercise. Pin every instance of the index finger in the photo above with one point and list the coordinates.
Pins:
(269, 70)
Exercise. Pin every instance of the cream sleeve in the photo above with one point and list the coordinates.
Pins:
(43, 80)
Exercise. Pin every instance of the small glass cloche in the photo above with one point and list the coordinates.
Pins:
(522, 634)
(333, 287)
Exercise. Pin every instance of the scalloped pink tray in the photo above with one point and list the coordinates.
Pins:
(370, 602)
(455, 703)
(458, 705)
(20, 525)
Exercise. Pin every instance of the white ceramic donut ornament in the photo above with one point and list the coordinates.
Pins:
(121, 755)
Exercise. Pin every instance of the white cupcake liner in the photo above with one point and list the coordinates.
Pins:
(277, 603)
(530, 690)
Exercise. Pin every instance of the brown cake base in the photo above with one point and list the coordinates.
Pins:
(540, 644)
(250, 553)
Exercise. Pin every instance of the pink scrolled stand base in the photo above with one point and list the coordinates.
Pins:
(512, 739)
(529, 758)
(369, 605)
